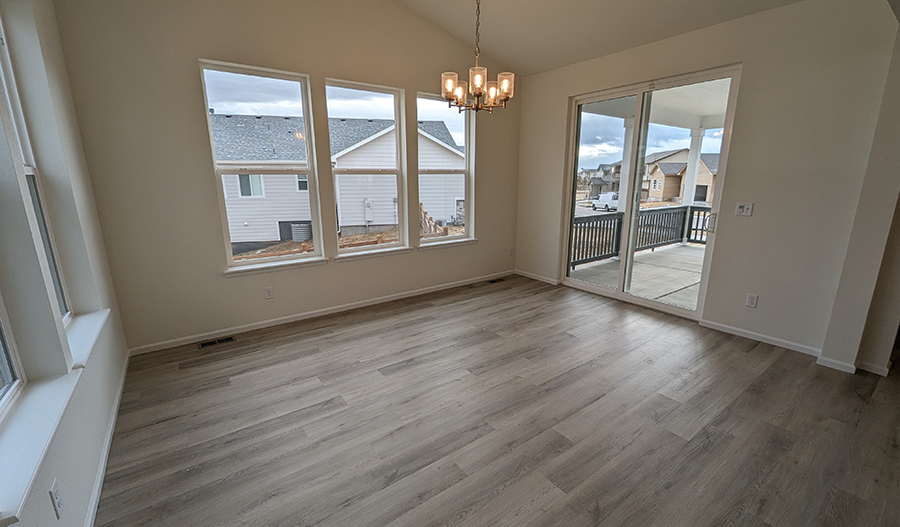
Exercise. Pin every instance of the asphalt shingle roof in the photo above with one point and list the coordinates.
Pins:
(711, 161)
(671, 169)
(274, 138)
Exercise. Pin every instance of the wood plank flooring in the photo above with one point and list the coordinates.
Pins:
(512, 403)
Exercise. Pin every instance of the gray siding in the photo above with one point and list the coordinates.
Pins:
(352, 192)
(438, 194)
(255, 219)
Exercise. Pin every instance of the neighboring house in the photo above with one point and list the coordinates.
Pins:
(609, 175)
(262, 207)
(667, 173)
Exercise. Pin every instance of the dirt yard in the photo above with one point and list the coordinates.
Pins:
(357, 240)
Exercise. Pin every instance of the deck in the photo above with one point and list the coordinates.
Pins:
(669, 274)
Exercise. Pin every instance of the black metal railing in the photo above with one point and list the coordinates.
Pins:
(598, 237)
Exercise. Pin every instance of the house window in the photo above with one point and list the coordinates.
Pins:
(445, 181)
(365, 159)
(262, 146)
(46, 240)
(250, 185)
(7, 372)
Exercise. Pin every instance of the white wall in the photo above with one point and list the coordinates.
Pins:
(136, 85)
(810, 92)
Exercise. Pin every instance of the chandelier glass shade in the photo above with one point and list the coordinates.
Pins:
(485, 94)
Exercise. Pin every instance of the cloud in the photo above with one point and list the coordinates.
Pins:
(235, 93)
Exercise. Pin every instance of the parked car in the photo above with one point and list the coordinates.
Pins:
(608, 201)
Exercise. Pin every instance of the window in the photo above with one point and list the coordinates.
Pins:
(7, 372)
(59, 288)
(250, 185)
(365, 160)
(263, 149)
(444, 177)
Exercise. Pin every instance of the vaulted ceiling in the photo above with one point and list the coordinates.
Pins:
(532, 36)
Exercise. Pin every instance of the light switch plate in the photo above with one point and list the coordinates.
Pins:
(744, 209)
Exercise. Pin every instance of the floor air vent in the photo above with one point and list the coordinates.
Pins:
(495, 280)
(213, 342)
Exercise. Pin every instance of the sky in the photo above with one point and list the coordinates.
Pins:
(234, 93)
(602, 138)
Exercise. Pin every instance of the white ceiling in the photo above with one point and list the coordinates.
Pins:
(533, 36)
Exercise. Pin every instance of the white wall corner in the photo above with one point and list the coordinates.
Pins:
(877, 369)
(539, 278)
(836, 364)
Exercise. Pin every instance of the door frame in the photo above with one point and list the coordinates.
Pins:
(638, 90)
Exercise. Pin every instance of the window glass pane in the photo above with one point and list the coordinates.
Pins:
(259, 121)
(256, 118)
(363, 136)
(442, 205)
(361, 128)
(48, 248)
(302, 183)
(7, 374)
(367, 209)
(256, 188)
(278, 224)
(442, 135)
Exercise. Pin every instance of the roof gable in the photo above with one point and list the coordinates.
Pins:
(671, 169)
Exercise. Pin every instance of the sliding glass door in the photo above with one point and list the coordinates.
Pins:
(647, 171)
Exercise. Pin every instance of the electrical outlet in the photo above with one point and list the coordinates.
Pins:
(269, 292)
(744, 209)
(56, 498)
(752, 300)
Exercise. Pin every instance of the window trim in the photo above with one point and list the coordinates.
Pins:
(262, 187)
(400, 171)
(9, 394)
(222, 168)
(53, 255)
(468, 171)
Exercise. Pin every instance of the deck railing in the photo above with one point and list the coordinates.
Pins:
(598, 237)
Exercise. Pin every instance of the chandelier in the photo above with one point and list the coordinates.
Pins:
(488, 94)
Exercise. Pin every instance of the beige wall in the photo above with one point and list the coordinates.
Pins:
(78, 448)
(136, 85)
(810, 91)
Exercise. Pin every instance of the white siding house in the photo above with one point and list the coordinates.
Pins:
(363, 201)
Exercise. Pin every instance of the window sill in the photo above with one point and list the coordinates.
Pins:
(427, 246)
(274, 266)
(28, 429)
(82, 333)
(25, 436)
(372, 253)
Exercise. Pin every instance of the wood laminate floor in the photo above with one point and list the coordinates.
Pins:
(500, 404)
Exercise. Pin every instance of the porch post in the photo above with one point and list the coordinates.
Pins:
(624, 176)
(689, 183)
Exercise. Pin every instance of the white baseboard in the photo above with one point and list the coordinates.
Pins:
(104, 456)
(775, 341)
(539, 278)
(836, 364)
(874, 368)
(172, 343)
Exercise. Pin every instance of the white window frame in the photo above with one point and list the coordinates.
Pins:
(468, 171)
(12, 392)
(398, 172)
(305, 180)
(262, 186)
(26, 158)
(262, 168)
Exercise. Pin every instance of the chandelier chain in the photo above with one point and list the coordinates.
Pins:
(477, 28)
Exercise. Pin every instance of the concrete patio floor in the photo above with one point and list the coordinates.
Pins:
(668, 274)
